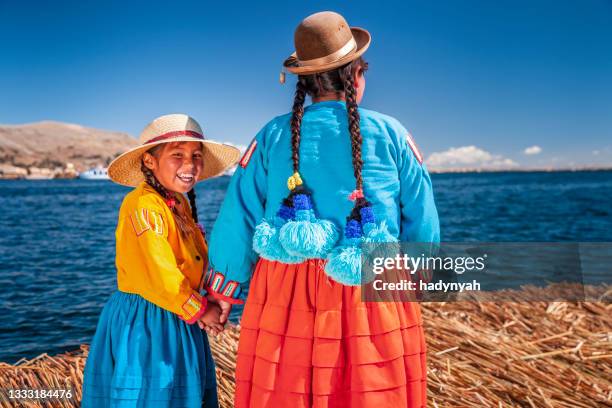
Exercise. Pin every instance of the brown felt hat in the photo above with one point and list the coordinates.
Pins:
(324, 41)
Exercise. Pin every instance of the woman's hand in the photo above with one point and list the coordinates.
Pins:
(226, 308)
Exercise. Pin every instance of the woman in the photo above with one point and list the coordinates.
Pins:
(306, 338)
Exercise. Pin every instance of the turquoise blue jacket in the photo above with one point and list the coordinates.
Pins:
(395, 181)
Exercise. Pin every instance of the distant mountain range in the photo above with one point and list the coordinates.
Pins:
(26, 149)
(54, 144)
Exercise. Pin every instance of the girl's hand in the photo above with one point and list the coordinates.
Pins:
(213, 329)
(210, 319)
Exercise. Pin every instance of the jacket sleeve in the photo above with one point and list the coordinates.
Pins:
(231, 253)
(419, 216)
(165, 285)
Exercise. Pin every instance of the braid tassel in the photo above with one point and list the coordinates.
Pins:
(295, 234)
(344, 263)
(306, 236)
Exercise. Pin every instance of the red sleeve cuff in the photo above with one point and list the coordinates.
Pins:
(203, 302)
(228, 299)
(221, 288)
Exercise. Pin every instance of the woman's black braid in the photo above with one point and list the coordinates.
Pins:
(353, 119)
(296, 123)
(335, 81)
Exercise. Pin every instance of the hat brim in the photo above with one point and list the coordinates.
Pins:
(363, 40)
(217, 158)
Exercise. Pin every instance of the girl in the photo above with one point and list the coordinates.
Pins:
(147, 351)
(307, 339)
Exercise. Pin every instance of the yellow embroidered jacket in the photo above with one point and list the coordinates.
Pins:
(153, 259)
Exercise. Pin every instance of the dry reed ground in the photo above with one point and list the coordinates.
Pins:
(480, 354)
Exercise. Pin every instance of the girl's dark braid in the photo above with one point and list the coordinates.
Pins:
(191, 194)
(152, 181)
(296, 122)
(353, 119)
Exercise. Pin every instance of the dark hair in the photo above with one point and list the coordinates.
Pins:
(157, 186)
(340, 81)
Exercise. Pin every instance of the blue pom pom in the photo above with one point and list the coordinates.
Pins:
(378, 233)
(302, 202)
(304, 215)
(308, 239)
(331, 232)
(263, 235)
(367, 215)
(344, 265)
(353, 229)
(286, 212)
(267, 245)
(385, 244)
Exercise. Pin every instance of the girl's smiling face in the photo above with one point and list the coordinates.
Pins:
(177, 165)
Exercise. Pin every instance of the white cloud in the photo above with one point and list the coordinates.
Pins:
(532, 150)
(242, 149)
(239, 146)
(468, 157)
(596, 152)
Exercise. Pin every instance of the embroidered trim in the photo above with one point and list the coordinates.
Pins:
(414, 148)
(217, 285)
(217, 281)
(247, 154)
(158, 223)
(230, 288)
(139, 226)
(194, 308)
(143, 220)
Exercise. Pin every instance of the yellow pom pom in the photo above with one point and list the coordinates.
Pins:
(294, 181)
(298, 179)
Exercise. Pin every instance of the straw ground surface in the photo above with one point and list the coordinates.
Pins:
(480, 354)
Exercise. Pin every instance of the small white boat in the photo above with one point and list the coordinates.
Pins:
(97, 173)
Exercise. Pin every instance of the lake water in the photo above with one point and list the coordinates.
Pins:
(57, 240)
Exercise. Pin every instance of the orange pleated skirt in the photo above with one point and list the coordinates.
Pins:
(308, 341)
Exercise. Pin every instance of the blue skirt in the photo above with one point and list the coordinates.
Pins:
(145, 356)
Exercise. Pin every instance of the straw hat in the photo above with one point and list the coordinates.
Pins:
(324, 41)
(217, 157)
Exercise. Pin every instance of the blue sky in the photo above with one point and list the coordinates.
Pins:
(489, 79)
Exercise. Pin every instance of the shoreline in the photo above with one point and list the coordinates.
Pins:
(479, 354)
(431, 171)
